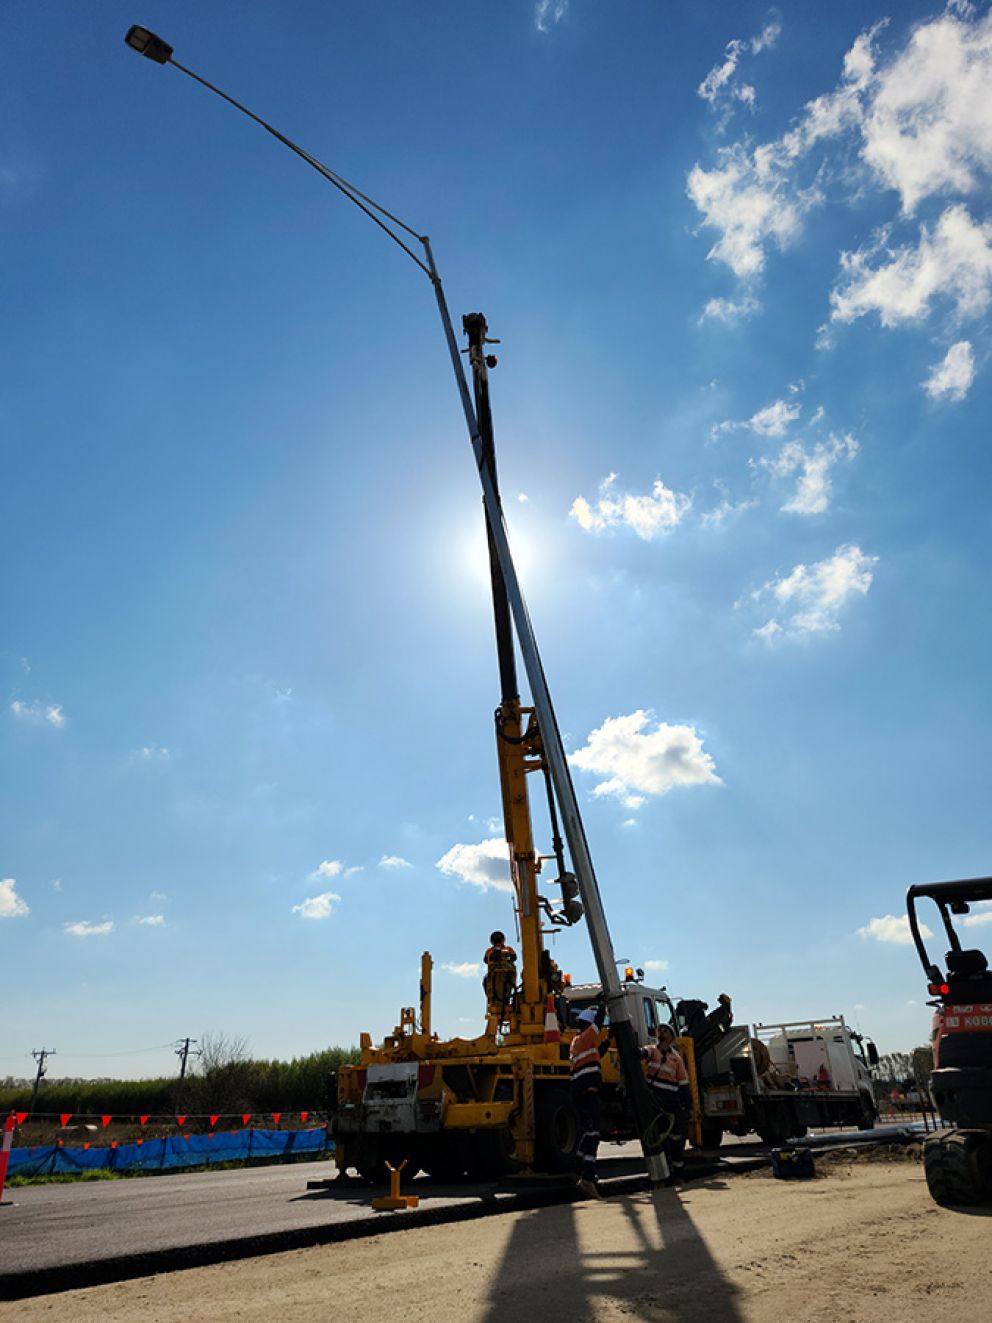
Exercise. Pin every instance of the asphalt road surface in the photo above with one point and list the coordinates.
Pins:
(48, 1226)
(53, 1227)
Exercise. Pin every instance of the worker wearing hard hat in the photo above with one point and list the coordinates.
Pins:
(669, 1084)
(585, 1054)
(500, 961)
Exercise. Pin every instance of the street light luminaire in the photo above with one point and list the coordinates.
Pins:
(146, 43)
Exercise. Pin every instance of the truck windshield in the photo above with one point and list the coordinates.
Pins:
(650, 1019)
(575, 1005)
(667, 1016)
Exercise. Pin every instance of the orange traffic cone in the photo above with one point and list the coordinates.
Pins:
(8, 1138)
(552, 1033)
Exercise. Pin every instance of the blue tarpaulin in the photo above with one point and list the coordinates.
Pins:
(170, 1154)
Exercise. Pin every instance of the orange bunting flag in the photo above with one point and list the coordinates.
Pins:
(59, 1143)
(106, 1120)
(186, 1137)
(65, 1118)
(87, 1144)
(113, 1143)
(303, 1117)
(181, 1120)
(143, 1119)
(210, 1135)
(215, 1118)
(275, 1117)
(21, 1117)
(246, 1117)
(139, 1141)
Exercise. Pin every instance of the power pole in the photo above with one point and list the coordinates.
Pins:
(183, 1053)
(40, 1055)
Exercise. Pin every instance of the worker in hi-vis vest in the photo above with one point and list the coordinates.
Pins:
(669, 1083)
(585, 1053)
(501, 970)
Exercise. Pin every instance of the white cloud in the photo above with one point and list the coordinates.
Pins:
(56, 884)
(813, 485)
(719, 82)
(549, 12)
(150, 920)
(317, 907)
(750, 207)
(158, 895)
(85, 929)
(11, 904)
(649, 516)
(638, 762)
(892, 928)
(810, 597)
(953, 375)
(394, 861)
(983, 915)
(656, 966)
(952, 263)
(484, 865)
(774, 419)
(523, 498)
(38, 711)
(151, 753)
(730, 311)
(918, 122)
(329, 868)
(465, 970)
(928, 128)
(768, 630)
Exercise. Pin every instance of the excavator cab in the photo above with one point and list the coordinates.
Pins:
(958, 1160)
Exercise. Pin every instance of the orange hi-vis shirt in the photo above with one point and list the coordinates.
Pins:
(584, 1054)
(666, 1071)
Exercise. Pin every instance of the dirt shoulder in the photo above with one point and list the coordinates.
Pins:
(861, 1242)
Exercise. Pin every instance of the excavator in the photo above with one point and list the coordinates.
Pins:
(957, 1160)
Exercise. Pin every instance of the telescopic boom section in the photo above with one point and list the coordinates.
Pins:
(521, 749)
(519, 753)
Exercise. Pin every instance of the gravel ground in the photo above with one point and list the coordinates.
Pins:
(861, 1242)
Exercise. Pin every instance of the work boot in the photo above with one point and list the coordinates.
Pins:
(589, 1189)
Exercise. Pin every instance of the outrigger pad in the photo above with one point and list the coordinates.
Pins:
(793, 1164)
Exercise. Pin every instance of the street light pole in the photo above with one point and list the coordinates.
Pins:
(154, 48)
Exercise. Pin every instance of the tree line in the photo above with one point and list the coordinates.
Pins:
(223, 1079)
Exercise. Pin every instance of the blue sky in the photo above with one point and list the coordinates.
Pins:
(740, 260)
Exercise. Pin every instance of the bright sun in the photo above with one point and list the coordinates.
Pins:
(475, 556)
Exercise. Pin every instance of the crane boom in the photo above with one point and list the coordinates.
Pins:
(546, 743)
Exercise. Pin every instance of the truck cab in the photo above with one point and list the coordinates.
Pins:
(647, 1007)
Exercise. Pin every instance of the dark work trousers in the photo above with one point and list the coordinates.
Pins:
(668, 1102)
(675, 1143)
(589, 1107)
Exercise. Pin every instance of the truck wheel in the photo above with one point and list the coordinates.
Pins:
(557, 1126)
(958, 1167)
(710, 1136)
(866, 1115)
(490, 1154)
(369, 1164)
(444, 1159)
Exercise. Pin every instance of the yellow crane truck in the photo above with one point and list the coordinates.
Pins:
(500, 1102)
